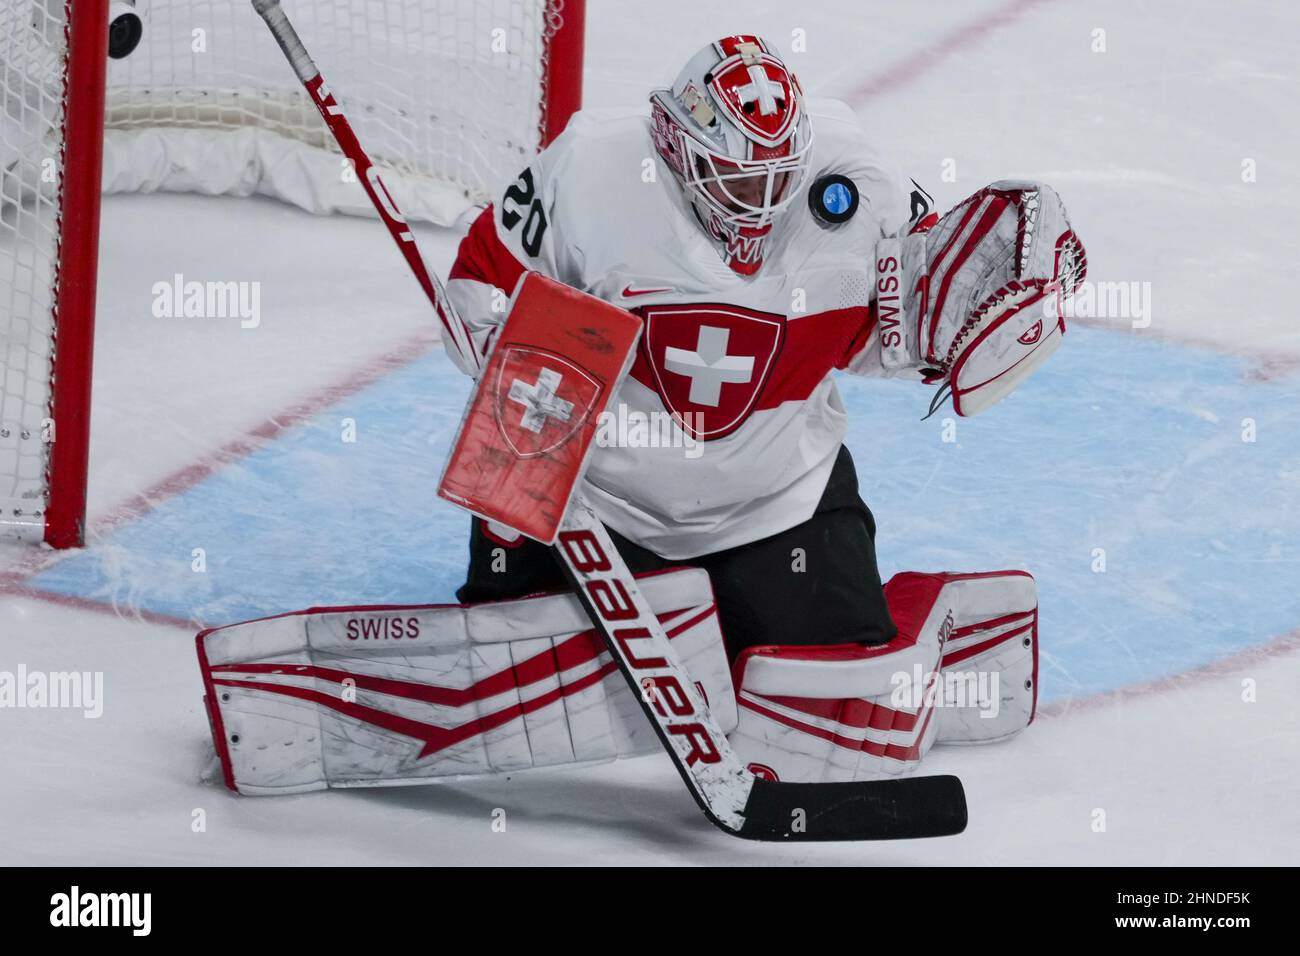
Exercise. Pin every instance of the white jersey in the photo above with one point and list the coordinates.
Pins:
(739, 367)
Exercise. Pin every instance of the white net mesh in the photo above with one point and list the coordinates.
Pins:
(32, 47)
(445, 92)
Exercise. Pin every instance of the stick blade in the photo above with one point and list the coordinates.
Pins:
(902, 809)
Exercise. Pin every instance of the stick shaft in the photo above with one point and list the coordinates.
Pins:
(639, 645)
(455, 332)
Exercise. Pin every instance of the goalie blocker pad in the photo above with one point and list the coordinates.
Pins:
(533, 415)
(393, 695)
(849, 712)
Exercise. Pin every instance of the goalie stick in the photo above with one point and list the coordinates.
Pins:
(730, 795)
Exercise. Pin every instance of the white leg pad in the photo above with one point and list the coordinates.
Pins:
(387, 696)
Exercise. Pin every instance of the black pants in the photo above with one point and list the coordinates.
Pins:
(816, 583)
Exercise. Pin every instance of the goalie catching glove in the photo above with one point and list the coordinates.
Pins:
(976, 301)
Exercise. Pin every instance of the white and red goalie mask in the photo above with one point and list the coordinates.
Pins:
(734, 131)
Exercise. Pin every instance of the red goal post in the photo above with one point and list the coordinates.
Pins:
(453, 96)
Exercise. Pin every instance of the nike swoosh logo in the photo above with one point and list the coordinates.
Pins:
(629, 292)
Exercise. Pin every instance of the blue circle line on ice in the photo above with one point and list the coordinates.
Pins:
(1149, 487)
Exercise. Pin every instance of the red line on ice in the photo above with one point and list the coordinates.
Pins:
(185, 478)
(922, 61)
(1266, 365)
(409, 350)
(15, 585)
(1223, 667)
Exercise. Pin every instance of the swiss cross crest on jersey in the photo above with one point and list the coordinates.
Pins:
(709, 363)
(759, 94)
(542, 399)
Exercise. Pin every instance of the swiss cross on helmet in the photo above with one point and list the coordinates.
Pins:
(734, 131)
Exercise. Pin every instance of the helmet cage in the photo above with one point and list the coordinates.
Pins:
(698, 166)
(708, 173)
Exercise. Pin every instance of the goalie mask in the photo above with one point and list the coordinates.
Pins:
(735, 134)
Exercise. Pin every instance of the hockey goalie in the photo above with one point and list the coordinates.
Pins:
(763, 242)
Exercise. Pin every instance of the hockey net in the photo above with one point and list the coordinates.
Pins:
(450, 97)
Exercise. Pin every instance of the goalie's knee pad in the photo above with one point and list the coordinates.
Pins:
(849, 712)
(846, 711)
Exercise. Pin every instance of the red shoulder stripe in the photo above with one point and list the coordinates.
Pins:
(483, 257)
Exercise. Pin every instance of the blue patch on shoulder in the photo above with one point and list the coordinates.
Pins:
(836, 198)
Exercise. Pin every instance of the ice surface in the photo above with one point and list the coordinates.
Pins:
(1167, 678)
